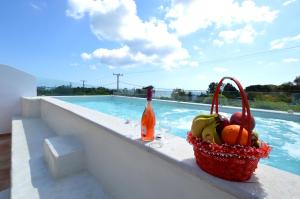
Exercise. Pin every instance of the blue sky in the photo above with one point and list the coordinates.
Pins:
(171, 43)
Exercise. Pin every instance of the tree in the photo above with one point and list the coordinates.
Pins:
(260, 88)
(178, 93)
(286, 87)
(230, 91)
(140, 92)
(67, 90)
(212, 87)
(297, 81)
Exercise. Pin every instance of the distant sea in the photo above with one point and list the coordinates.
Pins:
(167, 93)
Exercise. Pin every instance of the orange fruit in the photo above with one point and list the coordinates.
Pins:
(231, 132)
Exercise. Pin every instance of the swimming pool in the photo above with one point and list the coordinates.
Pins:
(175, 118)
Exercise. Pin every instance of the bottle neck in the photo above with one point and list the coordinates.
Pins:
(149, 94)
(148, 103)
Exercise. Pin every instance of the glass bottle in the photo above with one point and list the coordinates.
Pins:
(148, 118)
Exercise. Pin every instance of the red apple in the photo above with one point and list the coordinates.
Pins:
(223, 122)
(236, 118)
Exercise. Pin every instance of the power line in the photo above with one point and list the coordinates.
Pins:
(141, 86)
(131, 84)
(250, 54)
(147, 71)
(108, 84)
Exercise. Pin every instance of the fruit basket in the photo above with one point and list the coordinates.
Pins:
(233, 156)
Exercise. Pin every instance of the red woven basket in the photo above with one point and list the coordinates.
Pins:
(231, 162)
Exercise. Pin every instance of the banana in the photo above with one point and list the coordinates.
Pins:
(204, 116)
(200, 122)
(209, 134)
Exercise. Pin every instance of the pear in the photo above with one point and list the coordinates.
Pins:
(200, 122)
(209, 134)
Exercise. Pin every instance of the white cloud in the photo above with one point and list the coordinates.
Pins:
(195, 47)
(189, 16)
(201, 76)
(198, 50)
(161, 8)
(34, 6)
(93, 67)
(260, 62)
(120, 56)
(193, 63)
(117, 20)
(111, 67)
(86, 56)
(286, 3)
(290, 60)
(74, 64)
(189, 63)
(281, 43)
(218, 42)
(220, 69)
(244, 35)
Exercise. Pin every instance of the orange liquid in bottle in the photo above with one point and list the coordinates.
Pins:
(148, 119)
(148, 123)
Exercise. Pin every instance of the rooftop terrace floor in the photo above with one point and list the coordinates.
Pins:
(30, 175)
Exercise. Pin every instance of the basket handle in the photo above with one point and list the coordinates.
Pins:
(246, 118)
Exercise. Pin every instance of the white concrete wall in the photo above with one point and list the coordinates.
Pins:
(13, 85)
(125, 168)
(31, 107)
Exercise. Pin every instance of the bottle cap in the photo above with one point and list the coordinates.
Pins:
(149, 93)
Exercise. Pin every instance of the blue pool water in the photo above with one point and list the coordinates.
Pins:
(175, 118)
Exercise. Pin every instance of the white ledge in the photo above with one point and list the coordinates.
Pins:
(267, 182)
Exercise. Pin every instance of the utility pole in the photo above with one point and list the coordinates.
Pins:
(83, 83)
(118, 76)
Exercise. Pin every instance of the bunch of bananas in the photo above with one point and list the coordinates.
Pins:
(204, 127)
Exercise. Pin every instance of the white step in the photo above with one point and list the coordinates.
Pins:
(64, 155)
(30, 176)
